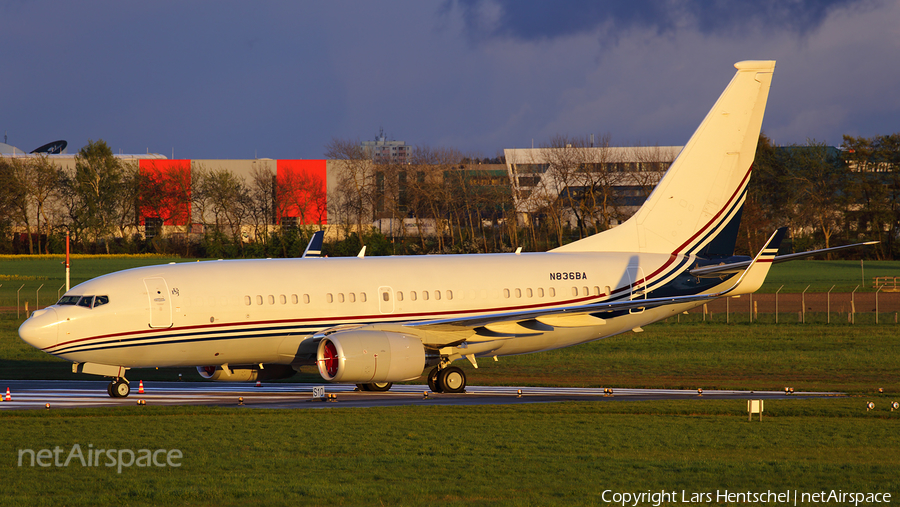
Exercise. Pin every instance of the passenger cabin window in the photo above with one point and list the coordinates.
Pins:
(247, 300)
(306, 299)
(362, 297)
(283, 299)
(294, 298)
(449, 294)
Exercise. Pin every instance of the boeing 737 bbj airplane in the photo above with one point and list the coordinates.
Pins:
(377, 320)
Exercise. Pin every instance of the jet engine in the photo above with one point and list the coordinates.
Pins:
(370, 356)
(246, 373)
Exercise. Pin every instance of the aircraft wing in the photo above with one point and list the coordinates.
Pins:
(750, 280)
(737, 267)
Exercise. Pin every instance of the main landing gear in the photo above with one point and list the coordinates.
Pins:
(118, 388)
(451, 379)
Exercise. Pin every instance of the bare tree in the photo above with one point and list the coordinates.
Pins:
(226, 198)
(353, 199)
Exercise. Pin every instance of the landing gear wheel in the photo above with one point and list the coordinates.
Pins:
(119, 388)
(379, 386)
(452, 380)
(362, 387)
(433, 381)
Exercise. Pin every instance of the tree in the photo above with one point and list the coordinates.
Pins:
(874, 166)
(820, 177)
(95, 192)
(353, 199)
(223, 195)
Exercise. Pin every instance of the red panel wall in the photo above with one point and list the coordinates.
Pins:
(166, 191)
(302, 191)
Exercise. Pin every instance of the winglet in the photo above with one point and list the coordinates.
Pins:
(753, 277)
(314, 248)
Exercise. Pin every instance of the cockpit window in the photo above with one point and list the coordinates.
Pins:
(84, 301)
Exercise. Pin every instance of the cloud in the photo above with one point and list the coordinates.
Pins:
(491, 19)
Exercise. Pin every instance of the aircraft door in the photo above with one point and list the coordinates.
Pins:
(385, 299)
(160, 303)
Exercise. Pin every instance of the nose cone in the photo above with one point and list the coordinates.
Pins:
(41, 330)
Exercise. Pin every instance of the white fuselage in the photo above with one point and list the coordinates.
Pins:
(261, 311)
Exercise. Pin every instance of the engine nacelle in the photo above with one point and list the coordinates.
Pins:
(246, 373)
(370, 356)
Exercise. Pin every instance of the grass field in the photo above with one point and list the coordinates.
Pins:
(549, 454)
(544, 454)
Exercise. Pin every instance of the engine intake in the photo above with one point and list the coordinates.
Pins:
(370, 356)
(246, 373)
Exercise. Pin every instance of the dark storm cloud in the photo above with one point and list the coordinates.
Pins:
(486, 19)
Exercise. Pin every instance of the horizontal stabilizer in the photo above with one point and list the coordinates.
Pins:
(737, 267)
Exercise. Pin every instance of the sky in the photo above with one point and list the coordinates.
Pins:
(280, 79)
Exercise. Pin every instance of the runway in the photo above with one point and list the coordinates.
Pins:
(36, 394)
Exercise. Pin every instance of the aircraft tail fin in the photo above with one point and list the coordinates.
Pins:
(696, 207)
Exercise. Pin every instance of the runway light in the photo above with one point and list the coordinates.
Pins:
(699, 391)
(424, 395)
(792, 390)
(47, 406)
(241, 400)
(141, 402)
(786, 391)
(895, 406)
(880, 390)
(519, 393)
(258, 383)
(870, 406)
